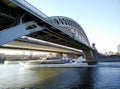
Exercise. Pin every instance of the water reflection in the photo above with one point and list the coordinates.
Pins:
(67, 79)
(104, 76)
(39, 75)
(14, 76)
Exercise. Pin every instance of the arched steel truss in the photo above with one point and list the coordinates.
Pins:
(72, 26)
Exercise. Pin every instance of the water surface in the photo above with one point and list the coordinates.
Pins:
(105, 76)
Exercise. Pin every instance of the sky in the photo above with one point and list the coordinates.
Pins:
(100, 19)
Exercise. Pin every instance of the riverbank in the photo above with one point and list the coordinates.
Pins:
(13, 62)
(109, 59)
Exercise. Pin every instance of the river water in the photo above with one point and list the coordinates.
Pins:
(104, 76)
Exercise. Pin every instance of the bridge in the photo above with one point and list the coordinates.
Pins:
(19, 18)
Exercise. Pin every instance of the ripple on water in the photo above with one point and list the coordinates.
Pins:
(104, 76)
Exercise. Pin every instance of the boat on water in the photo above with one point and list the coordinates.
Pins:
(61, 63)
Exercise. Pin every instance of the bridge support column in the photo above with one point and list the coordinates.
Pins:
(68, 55)
(73, 56)
(89, 56)
(17, 31)
(59, 55)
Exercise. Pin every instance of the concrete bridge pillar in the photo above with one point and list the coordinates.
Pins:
(59, 55)
(89, 56)
(73, 56)
(69, 55)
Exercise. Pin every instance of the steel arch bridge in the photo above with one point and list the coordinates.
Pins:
(71, 26)
(19, 18)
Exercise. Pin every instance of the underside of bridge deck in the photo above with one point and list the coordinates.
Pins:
(14, 15)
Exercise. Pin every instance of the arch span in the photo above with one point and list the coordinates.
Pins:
(72, 26)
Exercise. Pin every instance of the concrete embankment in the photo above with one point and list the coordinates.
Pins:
(12, 62)
(109, 59)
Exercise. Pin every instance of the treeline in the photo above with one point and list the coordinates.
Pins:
(4, 57)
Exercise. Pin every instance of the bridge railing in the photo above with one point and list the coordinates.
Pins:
(29, 7)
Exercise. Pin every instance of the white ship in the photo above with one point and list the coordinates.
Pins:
(64, 62)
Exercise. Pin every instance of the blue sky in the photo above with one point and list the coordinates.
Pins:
(100, 19)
